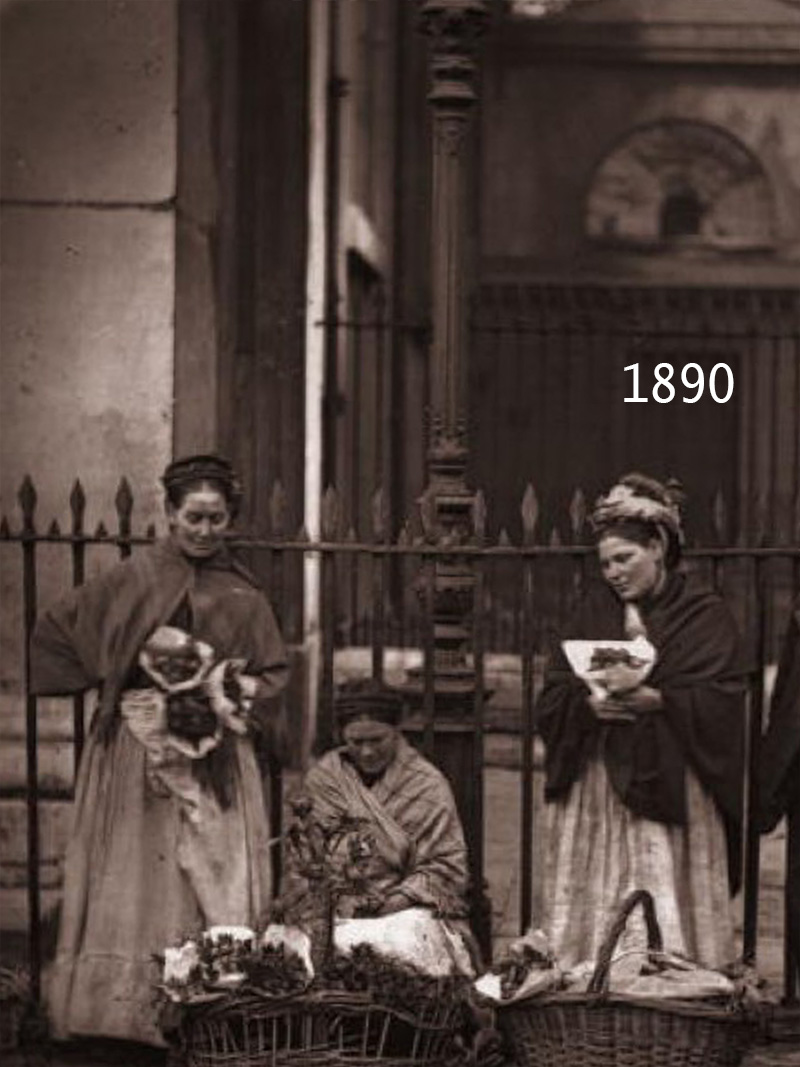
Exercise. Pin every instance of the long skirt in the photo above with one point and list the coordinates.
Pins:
(143, 871)
(598, 852)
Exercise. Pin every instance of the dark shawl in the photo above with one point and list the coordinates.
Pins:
(700, 676)
(779, 777)
(92, 637)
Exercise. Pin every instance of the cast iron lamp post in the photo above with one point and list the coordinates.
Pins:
(448, 505)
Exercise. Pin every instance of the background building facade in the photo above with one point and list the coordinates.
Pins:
(216, 235)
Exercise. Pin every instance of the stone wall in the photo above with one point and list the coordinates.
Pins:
(88, 183)
(88, 187)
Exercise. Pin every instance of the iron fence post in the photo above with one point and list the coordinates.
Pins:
(453, 28)
(27, 498)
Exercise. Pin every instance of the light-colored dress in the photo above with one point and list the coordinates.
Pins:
(139, 875)
(644, 804)
(149, 860)
(598, 852)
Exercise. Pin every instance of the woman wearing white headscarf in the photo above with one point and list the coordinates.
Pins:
(644, 781)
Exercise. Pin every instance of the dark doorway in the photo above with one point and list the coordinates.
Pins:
(681, 214)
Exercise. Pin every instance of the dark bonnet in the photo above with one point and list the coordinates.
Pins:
(190, 471)
(367, 698)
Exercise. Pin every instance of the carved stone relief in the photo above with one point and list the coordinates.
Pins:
(679, 182)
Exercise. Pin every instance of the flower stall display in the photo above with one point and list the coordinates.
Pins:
(318, 991)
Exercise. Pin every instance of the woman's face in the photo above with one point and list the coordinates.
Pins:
(371, 745)
(632, 570)
(199, 522)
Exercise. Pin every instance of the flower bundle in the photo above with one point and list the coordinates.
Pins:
(332, 857)
(610, 666)
(224, 959)
(388, 981)
(282, 958)
(313, 846)
(528, 969)
(197, 694)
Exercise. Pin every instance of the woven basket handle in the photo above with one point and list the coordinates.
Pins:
(599, 981)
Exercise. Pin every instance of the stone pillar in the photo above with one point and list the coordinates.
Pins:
(448, 506)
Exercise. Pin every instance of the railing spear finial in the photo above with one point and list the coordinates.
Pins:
(277, 509)
(330, 514)
(123, 502)
(27, 498)
(530, 514)
(77, 507)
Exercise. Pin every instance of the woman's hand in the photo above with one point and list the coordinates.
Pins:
(248, 689)
(393, 903)
(609, 709)
(619, 678)
(231, 693)
(643, 700)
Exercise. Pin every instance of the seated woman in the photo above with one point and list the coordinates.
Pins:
(644, 783)
(419, 857)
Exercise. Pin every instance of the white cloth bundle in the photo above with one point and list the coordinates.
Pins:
(633, 661)
(413, 936)
(530, 954)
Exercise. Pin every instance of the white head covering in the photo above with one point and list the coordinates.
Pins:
(639, 498)
(624, 502)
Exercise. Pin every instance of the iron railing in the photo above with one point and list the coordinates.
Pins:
(376, 593)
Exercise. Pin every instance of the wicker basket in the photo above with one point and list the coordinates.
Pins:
(14, 997)
(598, 1029)
(314, 1029)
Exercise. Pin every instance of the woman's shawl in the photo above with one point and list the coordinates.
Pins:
(779, 777)
(699, 673)
(92, 637)
(413, 821)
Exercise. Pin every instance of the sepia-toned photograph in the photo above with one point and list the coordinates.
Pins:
(400, 533)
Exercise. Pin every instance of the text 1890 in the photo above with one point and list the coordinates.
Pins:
(693, 379)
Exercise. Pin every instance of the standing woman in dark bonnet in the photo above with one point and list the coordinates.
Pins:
(170, 830)
(644, 786)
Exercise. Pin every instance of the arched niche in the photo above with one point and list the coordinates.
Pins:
(680, 183)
